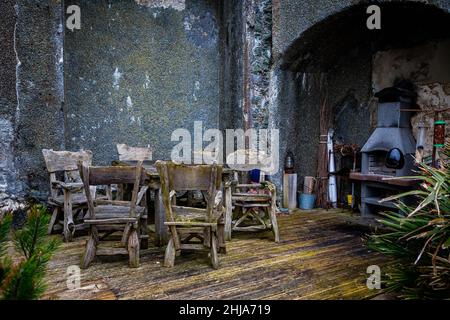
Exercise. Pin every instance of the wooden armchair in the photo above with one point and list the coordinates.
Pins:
(254, 207)
(192, 228)
(67, 192)
(111, 216)
(133, 155)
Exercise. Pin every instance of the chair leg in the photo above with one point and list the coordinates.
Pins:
(89, 252)
(207, 237)
(273, 220)
(214, 254)
(53, 220)
(221, 237)
(176, 240)
(169, 258)
(69, 226)
(143, 226)
(144, 233)
(133, 249)
(126, 233)
(228, 214)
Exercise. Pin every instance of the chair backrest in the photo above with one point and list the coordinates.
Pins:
(127, 153)
(56, 161)
(180, 177)
(65, 162)
(108, 175)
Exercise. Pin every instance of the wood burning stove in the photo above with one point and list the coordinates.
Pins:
(389, 151)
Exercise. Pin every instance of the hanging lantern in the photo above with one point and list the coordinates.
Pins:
(439, 133)
(289, 163)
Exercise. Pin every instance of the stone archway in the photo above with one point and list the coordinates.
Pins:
(354, 59)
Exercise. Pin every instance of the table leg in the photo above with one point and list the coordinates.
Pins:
(144, 223)
(228, 213)
(162, 235)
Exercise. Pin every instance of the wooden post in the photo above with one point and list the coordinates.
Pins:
(69, 226)
(160, 218)
(133, 249)
(228, 212)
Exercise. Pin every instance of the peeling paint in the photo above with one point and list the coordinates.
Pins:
(129, 103)
(147, 81)
(6, 155)
(202, 29)
(178, 5)
(18, 63)
(117, 75)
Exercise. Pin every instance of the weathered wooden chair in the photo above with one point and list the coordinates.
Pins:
(67, 192)
(255, 207)
(130, 155)
(192, 228)
(111, 216)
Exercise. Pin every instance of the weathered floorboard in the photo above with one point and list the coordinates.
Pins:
(320, 256)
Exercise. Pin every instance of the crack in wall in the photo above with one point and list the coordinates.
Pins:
(18, 64)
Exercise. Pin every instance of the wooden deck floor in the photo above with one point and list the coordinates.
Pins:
(320, 257)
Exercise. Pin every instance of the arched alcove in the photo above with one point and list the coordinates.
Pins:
(340, 54)
(403, 24)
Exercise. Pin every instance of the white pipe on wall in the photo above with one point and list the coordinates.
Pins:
(332, 190)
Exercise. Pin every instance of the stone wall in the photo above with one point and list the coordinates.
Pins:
(31, 115)
(136, 72)
(133, 73)
(428, 68)
(310, 38)
(139, 69)
(8, 97)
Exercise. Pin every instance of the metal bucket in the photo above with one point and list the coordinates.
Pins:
(309, 184)
(306, 201)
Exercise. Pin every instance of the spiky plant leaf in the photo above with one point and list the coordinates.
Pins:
(419, 237)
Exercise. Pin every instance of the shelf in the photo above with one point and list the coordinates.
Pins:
(375, 201)
(384, 179)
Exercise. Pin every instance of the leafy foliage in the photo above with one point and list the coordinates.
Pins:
(24, 279)
(419, 237)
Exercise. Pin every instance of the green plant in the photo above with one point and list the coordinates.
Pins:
(419, 237)
(23, 280)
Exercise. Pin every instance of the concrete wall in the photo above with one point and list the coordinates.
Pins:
(31, 115)
(292, 18)
(133, 73)
(232, 64)
(8, 98)
(136, 72)
(428, 67)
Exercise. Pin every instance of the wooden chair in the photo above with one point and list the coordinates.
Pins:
(134, 154)
(111, 216)
(192, 228)
(67, 192)
(254, 211)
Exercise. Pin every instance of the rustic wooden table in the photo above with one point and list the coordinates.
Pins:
(161, 231)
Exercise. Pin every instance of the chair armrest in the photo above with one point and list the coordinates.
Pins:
(141, 194)
(218, 201)
(101, 202)
(269, 186)
(262, 185)
(68, 186)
